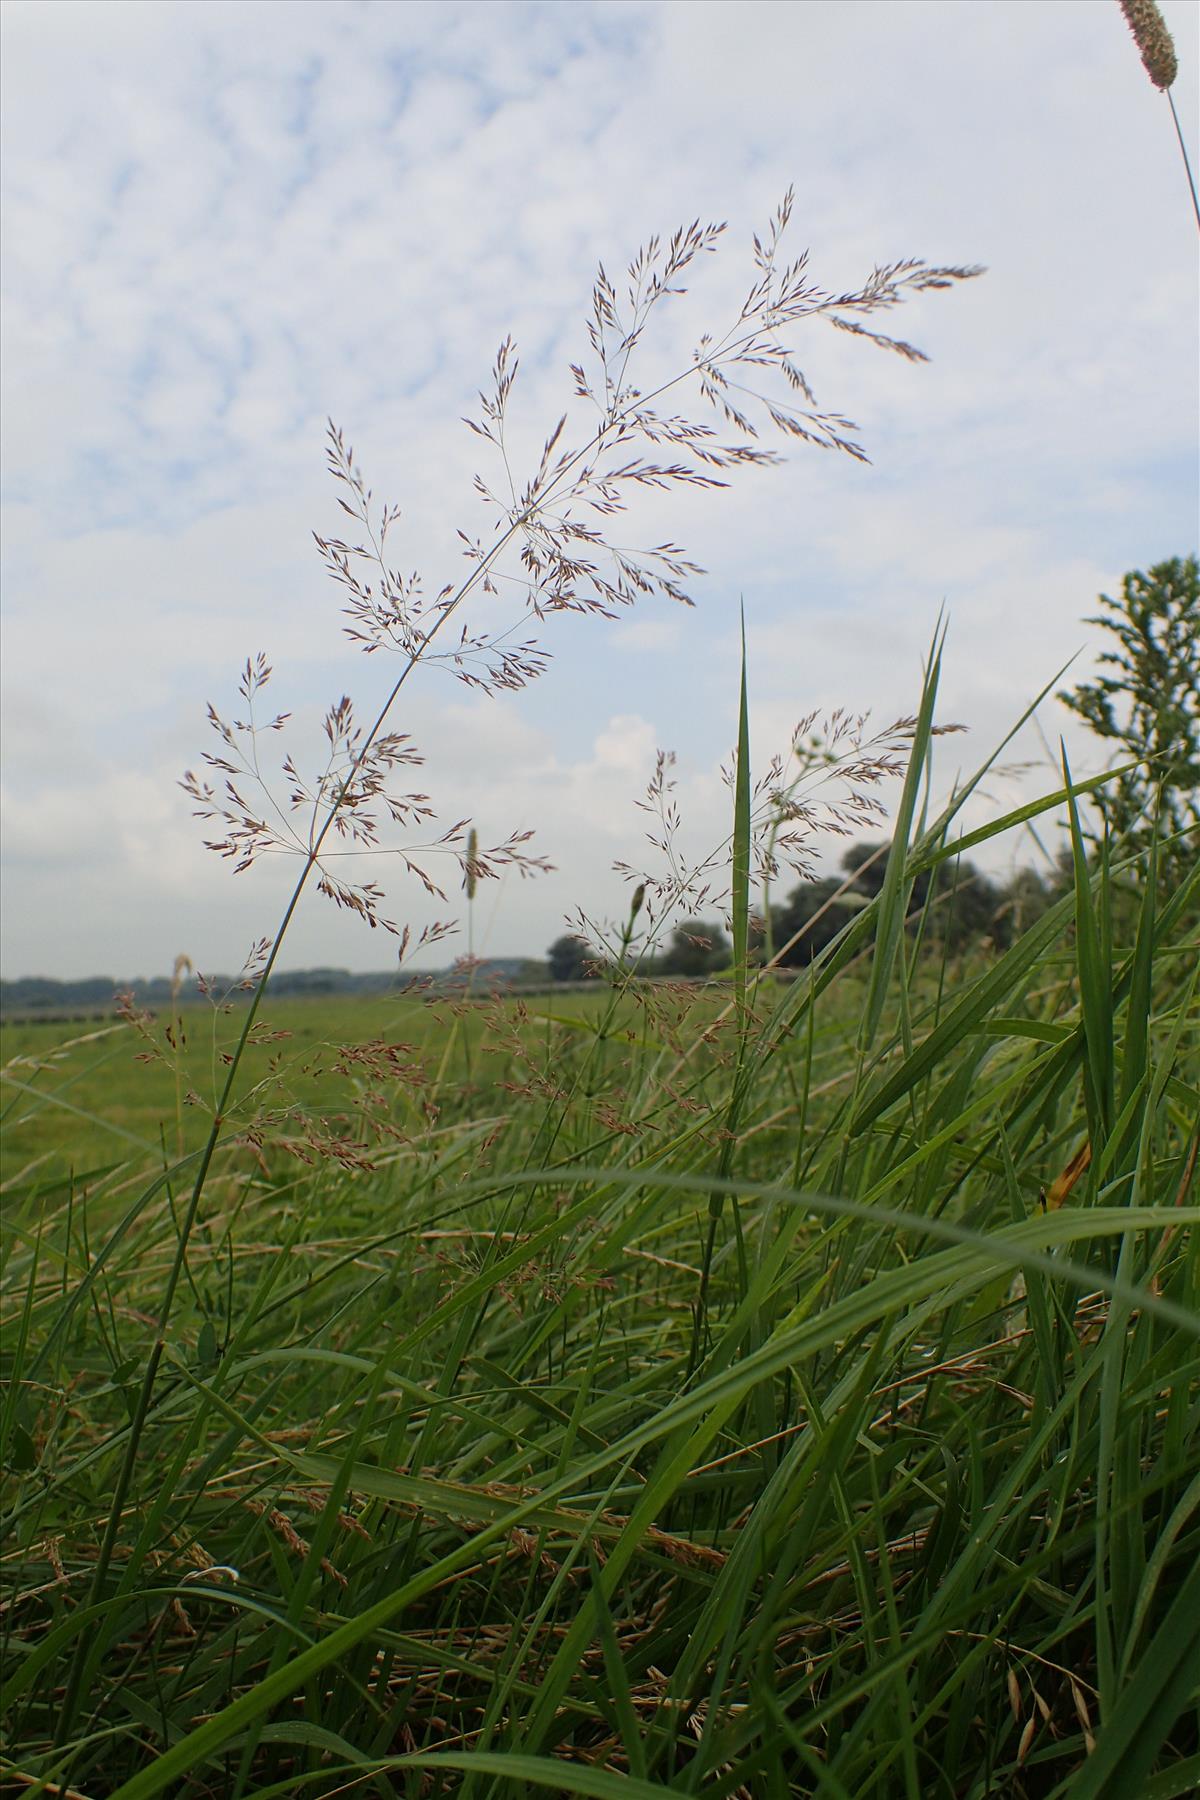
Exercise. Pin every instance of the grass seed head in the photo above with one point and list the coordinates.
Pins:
(472, 852)
(1153, 40)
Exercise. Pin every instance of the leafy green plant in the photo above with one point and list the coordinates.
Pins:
(1147, 706)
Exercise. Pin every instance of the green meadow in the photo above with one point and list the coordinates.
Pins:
(763, 1388)
(82, 1094)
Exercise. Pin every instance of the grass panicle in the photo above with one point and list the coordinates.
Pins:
(1155, 45)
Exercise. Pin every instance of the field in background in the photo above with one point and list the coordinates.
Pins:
(83, 1094)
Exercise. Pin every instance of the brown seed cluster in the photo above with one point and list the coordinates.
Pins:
(550, 547)
(1153, 40)
(828, 786)
(346, 801)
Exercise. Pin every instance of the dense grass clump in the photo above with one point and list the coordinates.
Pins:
(762, 1389)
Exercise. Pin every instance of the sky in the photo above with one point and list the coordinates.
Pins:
(226, 224)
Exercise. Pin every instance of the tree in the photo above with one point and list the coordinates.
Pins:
(807, 910)
(1022, 902)
(1148, 703)
(696, 948)
(568, 958)
(868, 864)
(967, 906)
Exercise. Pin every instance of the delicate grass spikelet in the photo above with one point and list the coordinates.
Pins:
(1153, 41)
(472, 850)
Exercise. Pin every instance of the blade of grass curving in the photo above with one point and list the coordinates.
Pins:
(1180, 1782)
(1095, 983)
(1135, 1048)
(1129, 1741)
(628, 1727)
(933, 849)
(893, 897)
(311, 1737)
(741, 938)
(741, 850)
(545, 1773)
(974, 1257)
(985, 993)
(1156, 1566)
(531, 1771)
(1107, 1575)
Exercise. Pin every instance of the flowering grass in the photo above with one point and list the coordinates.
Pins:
(777, 1389)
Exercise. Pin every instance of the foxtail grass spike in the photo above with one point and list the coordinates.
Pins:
(1153, 40)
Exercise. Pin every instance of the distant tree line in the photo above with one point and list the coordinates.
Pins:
(97, 993)
(696, 947)
(967, 909)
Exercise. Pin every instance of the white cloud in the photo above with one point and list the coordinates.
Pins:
(649, 636)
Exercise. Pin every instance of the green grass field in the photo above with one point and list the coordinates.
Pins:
(82, 1095)
(606, 1396)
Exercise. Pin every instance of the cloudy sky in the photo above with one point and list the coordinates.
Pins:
(226, 223)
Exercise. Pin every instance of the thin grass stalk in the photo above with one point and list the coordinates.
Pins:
(1187, 167)
(1095, 978)
(740, 903)
(740, 900)
(478, 574)
(897, 884)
